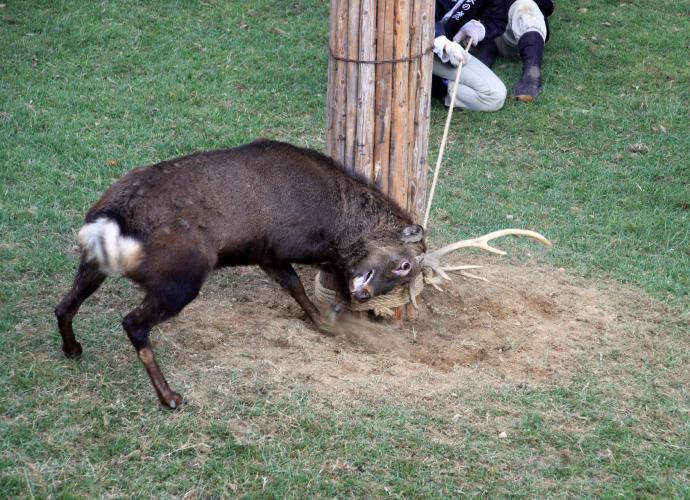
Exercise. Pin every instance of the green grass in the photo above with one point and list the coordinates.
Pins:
(566, 166)
(89, 90)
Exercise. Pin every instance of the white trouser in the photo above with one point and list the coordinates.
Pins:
(523, 16)
(479, 89)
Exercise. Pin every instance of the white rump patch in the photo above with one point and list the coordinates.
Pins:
(101, 241)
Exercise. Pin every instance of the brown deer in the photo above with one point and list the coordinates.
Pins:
(167, 226)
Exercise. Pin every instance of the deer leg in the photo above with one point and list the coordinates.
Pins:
(163, 301)
(339, 285)
(286, 276)
(86, 282)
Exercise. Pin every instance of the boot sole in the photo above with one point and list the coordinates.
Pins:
(525, 98)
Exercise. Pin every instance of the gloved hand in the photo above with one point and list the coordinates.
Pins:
(449, 51)
(472, 29)
(456, 54)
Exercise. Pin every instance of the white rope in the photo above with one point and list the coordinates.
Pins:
(442, 149)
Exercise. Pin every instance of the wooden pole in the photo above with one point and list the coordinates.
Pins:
(366, 90)
(424, 19)
(384, 74)
(337, 78)
(378, 113)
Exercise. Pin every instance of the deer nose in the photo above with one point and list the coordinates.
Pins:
(361, 295)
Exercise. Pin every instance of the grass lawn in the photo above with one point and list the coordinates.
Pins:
(599, 164)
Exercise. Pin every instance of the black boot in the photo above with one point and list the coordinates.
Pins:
(486, 52)
(531, 46)
(439, 87)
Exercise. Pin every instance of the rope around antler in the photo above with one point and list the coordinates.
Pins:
(433, 273)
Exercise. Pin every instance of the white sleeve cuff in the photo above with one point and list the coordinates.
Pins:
(439, 43)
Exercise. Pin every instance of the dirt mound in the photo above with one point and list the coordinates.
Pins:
(526, 325)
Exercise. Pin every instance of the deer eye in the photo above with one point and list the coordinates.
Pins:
(402, 269)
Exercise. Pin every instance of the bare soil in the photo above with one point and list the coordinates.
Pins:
(526, 325)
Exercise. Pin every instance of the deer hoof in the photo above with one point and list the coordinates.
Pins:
(326, 328)
(72, 351)
(173, 400)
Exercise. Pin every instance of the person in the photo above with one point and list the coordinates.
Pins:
(457, 22)
(525, 36)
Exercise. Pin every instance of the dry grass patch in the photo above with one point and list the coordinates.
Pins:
(527, 325)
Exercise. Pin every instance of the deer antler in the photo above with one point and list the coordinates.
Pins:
(433, 260)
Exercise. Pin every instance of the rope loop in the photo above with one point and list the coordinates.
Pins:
(379, 61)
(381, 305)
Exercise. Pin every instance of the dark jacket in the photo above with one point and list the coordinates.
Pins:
(493, 14)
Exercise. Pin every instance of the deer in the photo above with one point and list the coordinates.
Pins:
(167, 226)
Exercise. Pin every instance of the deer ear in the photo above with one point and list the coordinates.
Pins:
(412, 234)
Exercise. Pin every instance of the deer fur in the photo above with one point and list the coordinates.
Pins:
(167, 226)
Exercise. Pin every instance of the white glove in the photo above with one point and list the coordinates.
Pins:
(456, 54)
(472, 29)
(449, 51)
